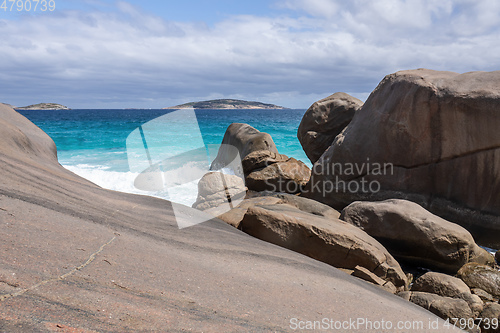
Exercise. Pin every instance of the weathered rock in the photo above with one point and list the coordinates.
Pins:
(486, 297)
(323, 121)
(366, 275)
(268, 171)
(264, 168)
(449, 286)
(218, 192)
(475, 303)
(437, 135)
(415, 235)
(405, 295)
(328, 240)
(234, 216)
(246, 139)
(490, 318)
(261, 159)
(440, 284)
(301, 203)
(482, 277)
(444, 307)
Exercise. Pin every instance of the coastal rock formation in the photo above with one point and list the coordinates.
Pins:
(234, 216)
(246, 139)
(217, 192)
(76, 257)
(480, 276)
(264, 168)
(440, 284)
(448, 286)
(267, 171)
(439, 132)
(328, 240)
(323, 121)
(367, 275)
(444, 307)
(483, 295)
(416, 236)
(492, 312)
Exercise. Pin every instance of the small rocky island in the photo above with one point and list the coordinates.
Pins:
(43, 106)
(226, 104)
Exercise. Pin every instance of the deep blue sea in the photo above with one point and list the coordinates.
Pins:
(93, 143)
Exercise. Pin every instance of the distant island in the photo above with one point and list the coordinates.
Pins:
(226, 104)
(43, 106)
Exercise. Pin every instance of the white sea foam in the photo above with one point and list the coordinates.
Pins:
(124, 182)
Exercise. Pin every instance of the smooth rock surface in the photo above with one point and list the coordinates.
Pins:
(323, 121)
(444, 307)
(448, 286)
(440, 284)
(328, 240)
(246, 139)
(439, 133)
(217, 192)
(234, 216)
(414, 235)
(78, 258)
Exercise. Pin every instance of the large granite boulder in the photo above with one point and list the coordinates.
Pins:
(234, 216)
(482, 277)
(448, 286)
(264, 168)
(483, 295)
(245, 139)
(427, 136)
(219, 193)
(444, 307)
(490, 318)
(267, 171)
(440, 284)
(323, 121)
(414, 235)
(325, 239)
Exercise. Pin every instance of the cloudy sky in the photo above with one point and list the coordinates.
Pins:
(158, 53)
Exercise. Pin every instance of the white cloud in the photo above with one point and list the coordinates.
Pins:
(129, 58)
(322, 8)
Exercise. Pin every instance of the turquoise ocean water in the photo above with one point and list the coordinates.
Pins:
(92, 143)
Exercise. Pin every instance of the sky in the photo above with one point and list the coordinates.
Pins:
(160, 53)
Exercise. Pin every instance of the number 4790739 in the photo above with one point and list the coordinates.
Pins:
(28, 5)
